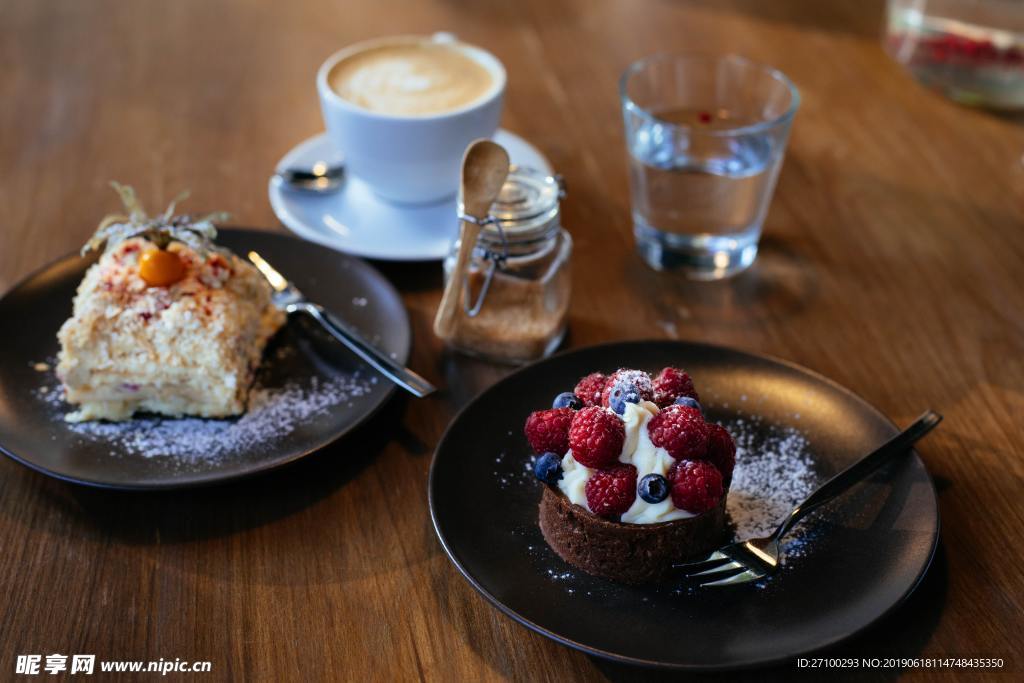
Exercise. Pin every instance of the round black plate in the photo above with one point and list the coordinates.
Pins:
(32, 430)
(869, 551)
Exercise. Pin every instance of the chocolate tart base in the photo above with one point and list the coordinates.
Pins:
(630, 553)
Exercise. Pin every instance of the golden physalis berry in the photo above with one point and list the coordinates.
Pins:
(160, 268)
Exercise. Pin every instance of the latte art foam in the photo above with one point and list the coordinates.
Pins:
(411, 79)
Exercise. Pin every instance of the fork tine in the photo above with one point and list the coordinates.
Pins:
(713, 575)
(277, 281)
(714, 558)
(713, 571)
(742, 577)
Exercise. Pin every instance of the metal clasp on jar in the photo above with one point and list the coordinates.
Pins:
(494, 259)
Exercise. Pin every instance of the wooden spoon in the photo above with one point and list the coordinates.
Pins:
(484, 169)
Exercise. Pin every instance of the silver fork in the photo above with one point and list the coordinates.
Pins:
(288, 298)
(756, 558)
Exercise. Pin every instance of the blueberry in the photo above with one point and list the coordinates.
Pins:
(548, 468)
(653, 488)
(689, 403)
(621, 394)
(567, 399)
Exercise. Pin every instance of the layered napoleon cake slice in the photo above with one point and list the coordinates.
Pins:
(165, 322)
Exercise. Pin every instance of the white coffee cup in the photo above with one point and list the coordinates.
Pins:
(410, 159)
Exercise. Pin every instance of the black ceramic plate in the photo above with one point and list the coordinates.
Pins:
(866, 554)
(298, 360)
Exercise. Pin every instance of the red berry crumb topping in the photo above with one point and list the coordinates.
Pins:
(696, 485)
(670, 384)
(681, 431)
(611, 491)
(638, 378)
(596, 436)
(548, 430)
(721, 451)
(590, 387)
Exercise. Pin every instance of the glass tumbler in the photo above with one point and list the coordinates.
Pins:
(705, 137)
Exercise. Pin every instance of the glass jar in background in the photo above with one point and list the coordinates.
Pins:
(516, 295)
(970, 50)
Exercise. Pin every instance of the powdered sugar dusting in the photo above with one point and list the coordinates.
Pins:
(274, 412)
(638, 378)
(774, 471)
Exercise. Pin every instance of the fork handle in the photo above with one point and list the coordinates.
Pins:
(400, 375)
(859, 470)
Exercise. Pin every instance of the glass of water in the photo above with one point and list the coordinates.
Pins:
(705, 138)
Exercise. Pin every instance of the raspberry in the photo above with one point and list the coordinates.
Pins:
(589, 388)
(596, 436)
(611, 491)
(548, 430)
(681, 431)
(670, 384)
(696, 485)
(639, 379)
(721, 451)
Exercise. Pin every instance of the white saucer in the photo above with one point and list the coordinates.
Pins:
(356, 221)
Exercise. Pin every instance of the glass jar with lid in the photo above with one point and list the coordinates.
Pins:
(516, 294)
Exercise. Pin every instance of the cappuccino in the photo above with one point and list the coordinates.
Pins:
(411, 79)
(402, 109)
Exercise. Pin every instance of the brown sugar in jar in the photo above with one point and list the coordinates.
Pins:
(516, 295)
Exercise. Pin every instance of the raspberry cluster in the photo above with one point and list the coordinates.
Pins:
(587, 422)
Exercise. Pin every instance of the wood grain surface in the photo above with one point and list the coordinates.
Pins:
(892, 263)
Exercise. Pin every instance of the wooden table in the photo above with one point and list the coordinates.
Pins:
(892, 262)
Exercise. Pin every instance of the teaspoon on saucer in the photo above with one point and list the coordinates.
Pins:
(321, 178)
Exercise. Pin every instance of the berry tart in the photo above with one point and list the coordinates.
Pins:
(635, 477)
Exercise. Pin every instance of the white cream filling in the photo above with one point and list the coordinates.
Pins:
(637, 450)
